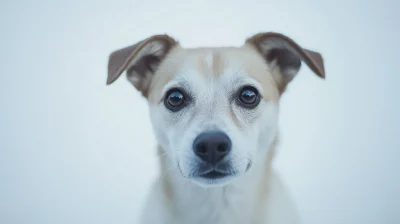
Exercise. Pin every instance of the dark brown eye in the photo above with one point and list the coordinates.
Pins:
(174, 100)
(248, 97)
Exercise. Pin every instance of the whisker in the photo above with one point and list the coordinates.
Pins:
(169, 168)
(187, 188)
(225, 189)
(165, 153)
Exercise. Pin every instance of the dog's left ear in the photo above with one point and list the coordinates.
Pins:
(140, 61)
(284, 57)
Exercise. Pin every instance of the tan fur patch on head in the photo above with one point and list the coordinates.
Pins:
(208, 61)
(166, 72)
(253, 65)
(256, 68)
(204, 61)
(212, 63)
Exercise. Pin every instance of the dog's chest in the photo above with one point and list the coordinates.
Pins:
(217, 206)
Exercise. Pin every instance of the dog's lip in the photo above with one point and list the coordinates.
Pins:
(213, 174)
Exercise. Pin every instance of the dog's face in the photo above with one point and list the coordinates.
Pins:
(214, 110)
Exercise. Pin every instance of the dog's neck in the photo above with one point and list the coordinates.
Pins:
(191, 203)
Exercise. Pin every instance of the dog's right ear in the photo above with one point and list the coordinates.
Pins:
(140, 61)
(283, 53)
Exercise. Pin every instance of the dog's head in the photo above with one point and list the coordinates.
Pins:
(214, 110)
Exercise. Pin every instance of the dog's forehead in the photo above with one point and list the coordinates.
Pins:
(216, 62)
(213, 66)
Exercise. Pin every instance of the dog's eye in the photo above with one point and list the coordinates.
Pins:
(174, 100)
(248, 97)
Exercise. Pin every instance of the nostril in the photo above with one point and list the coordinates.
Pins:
(201, 149)
(222, 148)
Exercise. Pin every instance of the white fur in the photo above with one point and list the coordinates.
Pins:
(237, 199)
(222, 205)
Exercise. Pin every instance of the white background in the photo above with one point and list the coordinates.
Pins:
(74, 150)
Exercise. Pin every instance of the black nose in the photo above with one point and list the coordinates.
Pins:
(212, 147)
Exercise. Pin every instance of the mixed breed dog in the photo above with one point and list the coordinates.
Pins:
(214, 112)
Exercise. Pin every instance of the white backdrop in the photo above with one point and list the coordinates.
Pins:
(74, 150)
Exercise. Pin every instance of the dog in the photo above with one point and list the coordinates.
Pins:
(214, 112)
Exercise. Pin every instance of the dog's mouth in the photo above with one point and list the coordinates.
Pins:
(207, 175)
(214, 175)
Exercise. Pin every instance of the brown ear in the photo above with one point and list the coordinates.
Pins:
(140, 60)
(283, 53)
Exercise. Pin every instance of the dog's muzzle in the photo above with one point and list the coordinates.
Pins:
(212, 148)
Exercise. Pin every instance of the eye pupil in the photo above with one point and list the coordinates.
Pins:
(249, 97)
(174, 100)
